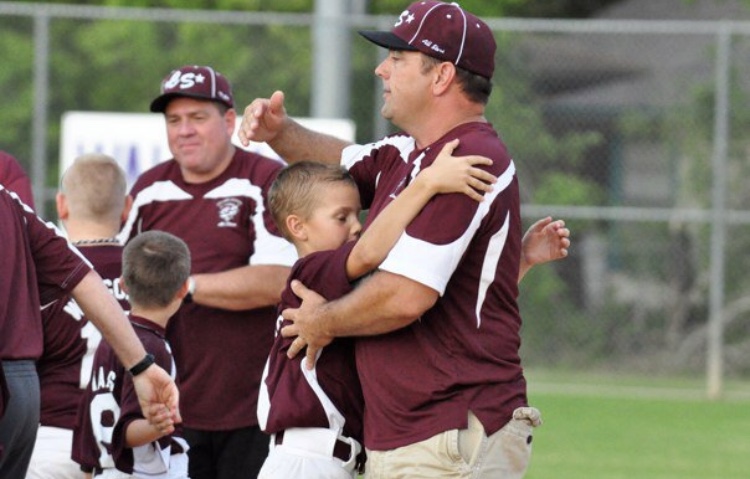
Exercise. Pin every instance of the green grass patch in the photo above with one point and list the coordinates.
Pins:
(622, 428)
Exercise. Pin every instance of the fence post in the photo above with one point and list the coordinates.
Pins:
(331, 47)
(39, 122)
(715, 339)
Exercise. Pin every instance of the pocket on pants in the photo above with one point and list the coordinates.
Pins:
(524, 420)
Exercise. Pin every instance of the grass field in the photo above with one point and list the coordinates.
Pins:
(634, 428)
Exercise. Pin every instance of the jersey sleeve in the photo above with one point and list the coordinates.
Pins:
(435, 241)
(59, 264)
(13, 177)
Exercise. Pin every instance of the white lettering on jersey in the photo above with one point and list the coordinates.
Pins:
(93, 337)
(73, 310)
(103, 381)
(115, 289)
(104, 429)
(89, 332)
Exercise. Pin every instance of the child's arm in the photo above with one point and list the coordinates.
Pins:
(544, 241)
(447, 174)
(140, 432)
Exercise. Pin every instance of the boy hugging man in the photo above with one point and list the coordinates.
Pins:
(315, 415)
(112, 438)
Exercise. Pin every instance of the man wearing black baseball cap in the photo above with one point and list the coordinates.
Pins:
(212, 195)
(438, 325)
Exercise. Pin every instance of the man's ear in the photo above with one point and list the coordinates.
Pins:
(230, 117)
(296, 227)
(445, 74)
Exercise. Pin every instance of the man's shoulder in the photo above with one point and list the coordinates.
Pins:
(248, 163)
(159, 172)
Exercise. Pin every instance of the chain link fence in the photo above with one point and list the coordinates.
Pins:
(633, 132)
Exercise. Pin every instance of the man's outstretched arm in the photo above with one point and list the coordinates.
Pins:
(265, 120)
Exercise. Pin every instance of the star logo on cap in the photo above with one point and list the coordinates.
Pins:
(410, 18)
(199, 78)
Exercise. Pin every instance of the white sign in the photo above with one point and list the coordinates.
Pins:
(138, 141)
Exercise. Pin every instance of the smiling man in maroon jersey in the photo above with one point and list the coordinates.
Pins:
(438, 325)
(212, 195)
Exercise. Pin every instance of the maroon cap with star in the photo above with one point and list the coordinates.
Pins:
(444, 31)
(201, 82)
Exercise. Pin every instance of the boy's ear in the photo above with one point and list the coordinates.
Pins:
(61, 203)
(123, 286)
(296, 227)
(126, 208)
(183, 291)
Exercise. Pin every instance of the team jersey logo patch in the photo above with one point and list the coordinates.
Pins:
(229, 208)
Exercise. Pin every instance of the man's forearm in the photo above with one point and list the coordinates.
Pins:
(105, 312)
(384, 302)
(296, 143)
(248, 287)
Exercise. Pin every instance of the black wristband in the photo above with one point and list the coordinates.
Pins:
(142, 365)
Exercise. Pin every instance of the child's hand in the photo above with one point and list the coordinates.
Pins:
(458, 174)
(161, 420)
(545, 240)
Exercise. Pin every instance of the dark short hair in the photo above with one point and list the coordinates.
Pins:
(155, 265)
(476, 87)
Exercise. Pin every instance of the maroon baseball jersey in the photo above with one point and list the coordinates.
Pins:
(463, 353)
(330, 396)
(15, 179)
(219, 354)
(110, 403)
(70, 342)
(37, 265)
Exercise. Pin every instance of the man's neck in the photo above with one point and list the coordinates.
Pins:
(444, 117)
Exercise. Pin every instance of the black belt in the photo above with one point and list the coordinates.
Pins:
(341, 450)
(176, 448)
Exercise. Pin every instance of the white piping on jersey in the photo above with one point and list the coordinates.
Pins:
(157, 191)
(269, 249)
(336, 420)
(50, 226)
(353, 154)
(489, 265)
(264, 399)
(410, 255)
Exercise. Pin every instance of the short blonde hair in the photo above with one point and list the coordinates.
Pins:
(95, 187)
(297, 187)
